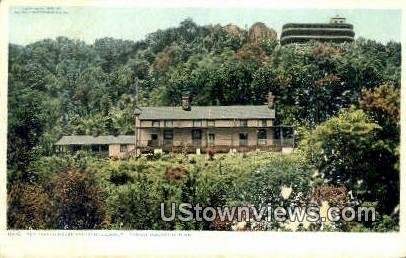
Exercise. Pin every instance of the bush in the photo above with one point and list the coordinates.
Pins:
(335, 196)
(136, 205)
(175, 173)
(211, 152)
(80, 202)
(29, 207)
(154, 156)
(120, 177)
(331, 147)
(264, 184)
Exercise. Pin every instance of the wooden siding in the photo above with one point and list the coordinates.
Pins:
(223, 136)
(189, 123)
(115, 150)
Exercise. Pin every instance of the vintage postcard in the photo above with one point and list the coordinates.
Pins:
(252, 129)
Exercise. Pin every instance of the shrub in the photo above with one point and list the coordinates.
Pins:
(175, 173)
(136, 205)
(265, 183)
(335, 196)
(120, 177)
(331, 147)
(154, 156)
(28, 207)
(211, 152)
(80, 202)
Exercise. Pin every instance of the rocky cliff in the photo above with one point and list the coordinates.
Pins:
(259, 31)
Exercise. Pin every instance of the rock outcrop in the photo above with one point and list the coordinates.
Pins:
(259, 31)
(234, 30)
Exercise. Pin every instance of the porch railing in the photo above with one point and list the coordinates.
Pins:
(260, 144)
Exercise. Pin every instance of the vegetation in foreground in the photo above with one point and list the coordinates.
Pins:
(83, 191)
(343, 100)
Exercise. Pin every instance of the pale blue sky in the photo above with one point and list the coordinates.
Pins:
(89, 23)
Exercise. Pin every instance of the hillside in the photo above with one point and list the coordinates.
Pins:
(340, 97)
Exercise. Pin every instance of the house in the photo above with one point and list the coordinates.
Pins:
(193, 129)
(113, 146)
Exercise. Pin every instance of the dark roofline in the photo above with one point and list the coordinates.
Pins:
(207, 112)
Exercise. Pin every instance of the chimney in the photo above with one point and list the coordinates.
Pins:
(186, 102)
(270, 100)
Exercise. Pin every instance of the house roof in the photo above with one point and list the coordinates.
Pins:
(207, 112)
(89, 140)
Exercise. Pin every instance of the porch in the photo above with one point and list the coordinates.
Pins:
(221, 140)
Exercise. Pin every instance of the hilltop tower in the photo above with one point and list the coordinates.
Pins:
(337, 30)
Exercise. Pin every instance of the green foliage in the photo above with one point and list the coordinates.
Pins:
(135, 205)
(346, 150)
(227, 180)
(29, 207)
(64, 86)
(383, 104)
(79, 202)
(26, 124)
(349, 132)
(264, 184)
(136, 188)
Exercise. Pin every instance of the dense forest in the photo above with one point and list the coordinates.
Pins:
(343, 100)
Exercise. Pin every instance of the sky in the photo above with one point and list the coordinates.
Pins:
(30, 24)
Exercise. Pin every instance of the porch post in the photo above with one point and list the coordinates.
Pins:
(136, 132)
(136, 136)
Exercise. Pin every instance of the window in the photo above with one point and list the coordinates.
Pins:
(211, 123)
(95, 148)
(123, 147)
(261, 136)
(168, 137)
(197, 136)
(197, 123)
(154, 140)
(168, 123)
(100, 148)
(155, 124)
(76, 147)
(243, 139)
(104, 148)
(243, 123)
(262, 123)
(210, 139)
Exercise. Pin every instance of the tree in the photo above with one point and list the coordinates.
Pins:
(251, 52)
(383, 103)
(113, 52)
(64, 86)
(347, 151)
(26, 125)
(80, 202)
